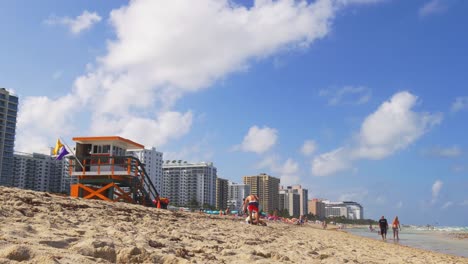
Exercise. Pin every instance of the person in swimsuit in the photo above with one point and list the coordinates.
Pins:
(383, 224)
(396, 227)
(251, 204)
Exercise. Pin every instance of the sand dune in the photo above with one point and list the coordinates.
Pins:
(44, 228)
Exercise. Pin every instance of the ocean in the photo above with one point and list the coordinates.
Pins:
(439, 239)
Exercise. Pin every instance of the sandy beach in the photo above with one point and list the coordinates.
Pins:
(44, 228)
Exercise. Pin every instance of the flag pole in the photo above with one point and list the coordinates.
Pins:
(73, 153)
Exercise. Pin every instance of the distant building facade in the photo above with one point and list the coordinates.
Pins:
(8, 114)
(40, 172)
(303, 198)
(266, 188)
(185, 183)
(153, 161)
(348, 209)
(236, 194)
(289, 200)
(221, 194)
(317, 208)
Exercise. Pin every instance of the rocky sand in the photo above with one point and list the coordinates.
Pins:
(37, 227)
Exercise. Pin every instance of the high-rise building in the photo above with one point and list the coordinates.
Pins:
(317, 208)
(266, 188)
(236, 195)
(303, 198)
(355, 210)
(40, 172)
(290, 200)
(188, 184)
(221, 194)
(153, 161)
(8, 113)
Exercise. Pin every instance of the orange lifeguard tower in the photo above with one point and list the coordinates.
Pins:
(105, 172)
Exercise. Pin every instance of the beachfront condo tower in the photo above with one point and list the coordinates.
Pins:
(189, 184)
(266, 188)
(40, 172)
(221, 194)
(236, 194)
(152, 160)
(8, 112)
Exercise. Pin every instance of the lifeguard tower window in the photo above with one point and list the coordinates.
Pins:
(82, 151)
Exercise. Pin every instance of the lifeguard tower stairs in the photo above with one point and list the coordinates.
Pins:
(102, 170)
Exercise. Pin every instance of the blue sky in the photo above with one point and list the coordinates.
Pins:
(362, 100)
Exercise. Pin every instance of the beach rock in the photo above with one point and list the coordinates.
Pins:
(17, 253)
(96, 248)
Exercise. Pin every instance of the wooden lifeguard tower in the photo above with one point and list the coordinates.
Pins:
(104, 171)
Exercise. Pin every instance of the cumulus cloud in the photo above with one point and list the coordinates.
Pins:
(163, 50)
(392, 127)
(436, 187)
(258, 140)
(76, 25)
(288, 171)
(432, 7)
(460, 103)
(309, 147)
(348, 95)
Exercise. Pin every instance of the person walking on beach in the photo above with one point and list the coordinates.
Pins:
(251, 204)
(383, 224)
(396, 227)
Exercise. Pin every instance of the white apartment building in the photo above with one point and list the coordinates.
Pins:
(185, 182)
(289, 200)
(236, 193)
(153, 161)
(40, 172)
(348, 209)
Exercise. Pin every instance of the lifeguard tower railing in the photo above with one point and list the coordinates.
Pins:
(112, 178)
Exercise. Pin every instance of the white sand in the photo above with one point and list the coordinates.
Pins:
(42, 228)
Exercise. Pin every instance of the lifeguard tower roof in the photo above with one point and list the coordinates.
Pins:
(111, 140)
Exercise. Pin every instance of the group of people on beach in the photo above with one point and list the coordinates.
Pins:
(383, 224)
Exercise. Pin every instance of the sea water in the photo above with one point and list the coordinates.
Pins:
(439, 239)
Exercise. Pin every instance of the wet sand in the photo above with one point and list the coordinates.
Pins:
(43, 228)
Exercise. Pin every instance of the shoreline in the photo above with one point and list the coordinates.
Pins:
(41, 227)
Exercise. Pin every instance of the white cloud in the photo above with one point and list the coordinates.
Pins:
(436, 187)
(331, 162)
(432, 7)
(309, 147)
(464, 203)
(450, 152)
(348, 95)
(258, 140)
(392, 127)
(163, 50)
(76, 25)
(460, 103)
(287, 171)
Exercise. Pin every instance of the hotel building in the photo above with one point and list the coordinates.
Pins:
(266, 188)
(185, 182)
(8, 113)
(40, 172)
(236, 194)
(317, 208)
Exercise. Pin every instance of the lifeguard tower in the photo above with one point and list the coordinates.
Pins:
(105, 172)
